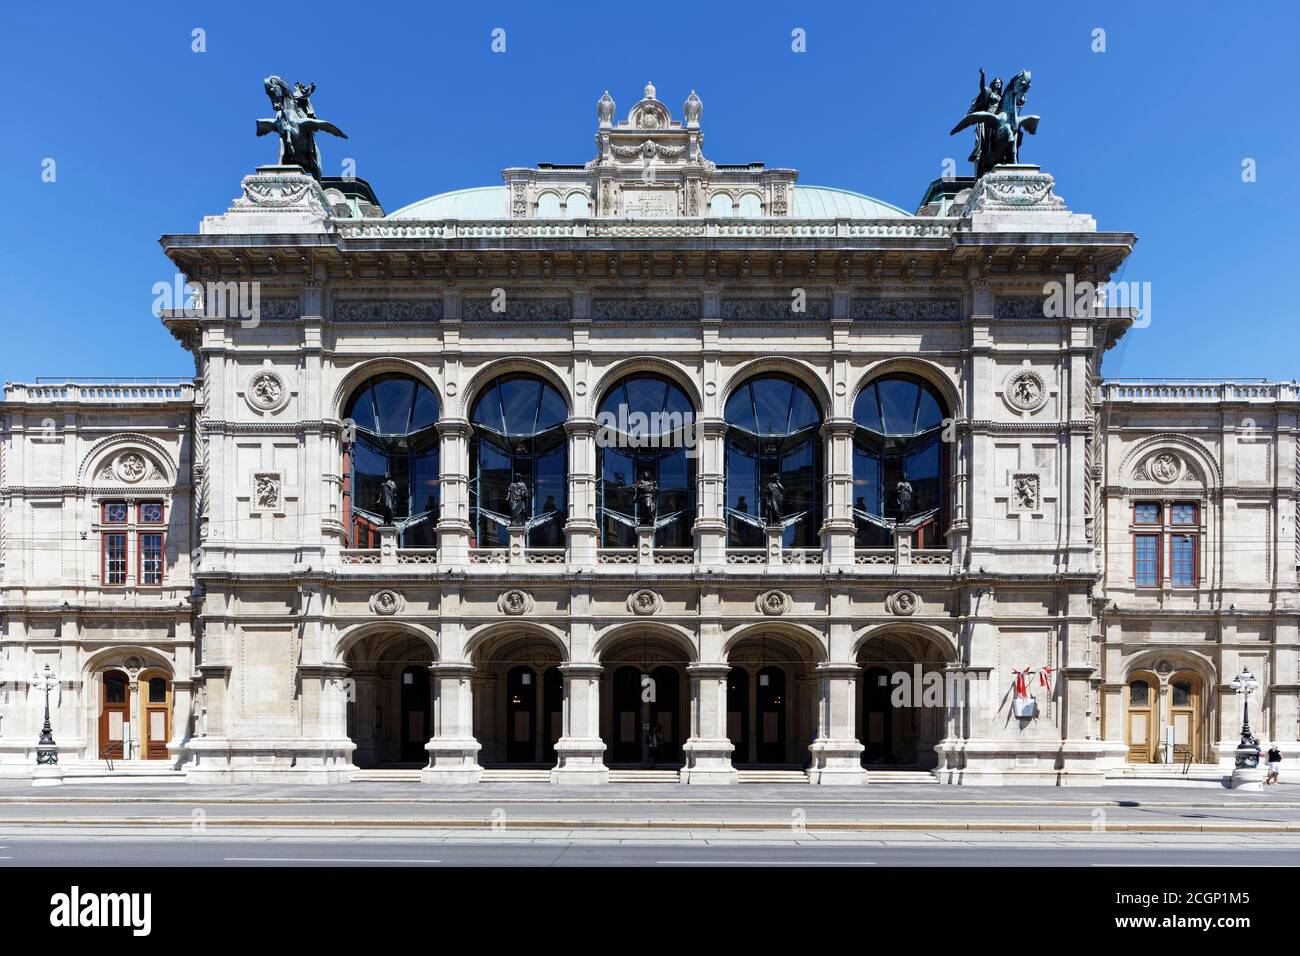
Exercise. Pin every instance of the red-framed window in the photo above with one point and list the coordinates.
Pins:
(1166, 535)
(122, 524)
(113, 570)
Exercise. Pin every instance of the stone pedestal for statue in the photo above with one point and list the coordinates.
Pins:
(775, 538)
(387, 544)
(902, 546)
(518, 543)
(645, 544)
(47, 773)
(1019, 199)
(276, 200)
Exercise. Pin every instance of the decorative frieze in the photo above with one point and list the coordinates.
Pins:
(900, 309)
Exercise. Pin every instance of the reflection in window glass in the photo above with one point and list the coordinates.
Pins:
(394, 434)
(1139, 693)
(898, 446)
(1146, 560)
(518, 431)
(1182, 693)
(646, 422)
(773, 425)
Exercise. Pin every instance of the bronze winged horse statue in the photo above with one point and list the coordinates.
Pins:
(1001, 124)
(296, 124)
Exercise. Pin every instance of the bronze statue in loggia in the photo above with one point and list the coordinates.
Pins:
(296, 125)
(995, 113)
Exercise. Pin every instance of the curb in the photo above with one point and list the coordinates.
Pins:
(355, 823)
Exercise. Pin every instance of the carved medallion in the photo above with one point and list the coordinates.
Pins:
(387, 602)
(1165, 467)
(773, 602)
(1025, 390)
(644, 602)
(903, 602)
(515, 602)
(131, 467)
(266, 391)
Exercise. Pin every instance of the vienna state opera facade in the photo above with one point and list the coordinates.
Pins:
(648, 466)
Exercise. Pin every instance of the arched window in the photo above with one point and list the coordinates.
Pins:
(646, 422)
(548, 206)
(720, 206)
(393, 432)
(899, 466)
(518, 425)
(773, 425)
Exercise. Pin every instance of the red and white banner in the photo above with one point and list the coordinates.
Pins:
(1022, 681)
(1047, 678)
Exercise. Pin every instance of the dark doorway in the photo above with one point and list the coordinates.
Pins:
(664, 714)
(626, 745)
(877, 717)
(521, 710)
(553, 703)
(770, 703)
(415, 712)
(738, 714)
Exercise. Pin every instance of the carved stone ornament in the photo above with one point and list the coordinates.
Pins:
(268, 492)
(1027, 489)
(1165, 467)
(1005, 190)
(1025, 390)
(644, 602)
(515, 602)
(387, 602)
(773, 602)
(131, 467)
(903, 603)
(266, 391)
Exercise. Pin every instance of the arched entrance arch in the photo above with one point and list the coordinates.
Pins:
(518, 694)
(772, 695)
(1167, 711)
(129, 704)
(903, 697)
(390, 707)
(645, 697)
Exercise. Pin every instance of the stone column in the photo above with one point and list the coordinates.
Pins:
(580, 753)
(836, 753)
(453, 518)
(839, 530)
(580, 528)
(453, 751)
(708, 751)
(710, 524)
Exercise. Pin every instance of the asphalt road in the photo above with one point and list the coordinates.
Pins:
(274, 848)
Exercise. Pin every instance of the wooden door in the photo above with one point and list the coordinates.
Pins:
(1142, 711)
(114, 714)
(157, 714)
(1184, 716)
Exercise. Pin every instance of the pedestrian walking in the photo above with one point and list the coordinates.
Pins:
(653, 744)
(1274, 764)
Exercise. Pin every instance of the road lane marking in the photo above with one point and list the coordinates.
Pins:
(319, 859)
(765, 862)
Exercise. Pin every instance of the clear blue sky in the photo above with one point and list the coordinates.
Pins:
(1148, 136)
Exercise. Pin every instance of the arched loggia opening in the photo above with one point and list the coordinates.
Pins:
(518, 699)
(771, 701)
(903, 700)
(645, 700)
(390, 709)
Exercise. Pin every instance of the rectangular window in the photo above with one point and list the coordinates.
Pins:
(1182, 560)
(1146, 512)
(1146, 560)
(151, 557)
(1182, 514)
(114, 568)
(115, 512)
(151, 512)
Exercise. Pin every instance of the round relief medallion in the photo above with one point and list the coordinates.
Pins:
(131, 467)
(904, 602)
(773, 602)
(266, 391)
(644, 602)
(1025, 390)
(1165, 467)
(515, 602)
(386, 602)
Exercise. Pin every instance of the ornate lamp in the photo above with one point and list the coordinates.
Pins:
(47, 752)
(1248, 750)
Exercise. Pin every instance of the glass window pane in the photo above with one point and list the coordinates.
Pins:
(1182, 513)
(157, 690)
(1146, 560)
(740, 409)
(1182, 693)
(519, 401)
(1139, 694)
(487, 410)
(553, 411)
(115, 688)
(1182, 560)
(898, 399)
(115, 512)
(426, 408)
(151, 512)
(394, 397)
(866, 410)
(360, 409)
(772, 398)
(151, 558)
(803, 409)
(930, 414)
(1146, 512)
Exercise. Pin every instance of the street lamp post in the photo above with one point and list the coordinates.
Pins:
(47, 773)
(1246, 773)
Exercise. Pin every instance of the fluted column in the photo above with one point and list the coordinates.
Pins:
(708, 751)
(836, 753)
(580, 753)
(453, 751)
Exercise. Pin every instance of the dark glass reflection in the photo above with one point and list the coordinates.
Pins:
(899, 440)
(773, 427)
(394, 434)
(646, 422)
(518, 430)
